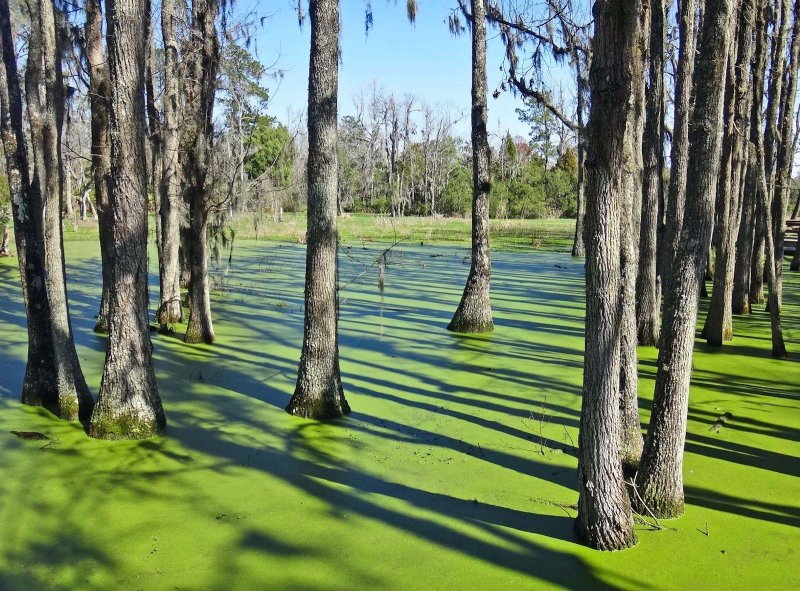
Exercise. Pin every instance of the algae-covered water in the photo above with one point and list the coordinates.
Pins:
(456, 469)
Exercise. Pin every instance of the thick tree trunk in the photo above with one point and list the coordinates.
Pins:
(719, 323)
(604, 517)
(129, 406)
(39, 384)
(101, 150)
(474, 313)
(631, 428)
(648, 292)
(170, 309)
(660, 477)
(318, 393)
(203, 63)
(45, 117)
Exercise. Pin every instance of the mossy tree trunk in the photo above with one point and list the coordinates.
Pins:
(660, 477)
(474, 312)
(318, 393)
(604, 515)
(129, 406)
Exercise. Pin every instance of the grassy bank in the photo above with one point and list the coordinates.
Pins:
(549, 235)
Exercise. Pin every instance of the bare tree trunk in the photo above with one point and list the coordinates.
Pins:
(719, 323)
(45, 116)
(39, 385)
(785, 155)
(648, 292)
(203, 63)
(101, 149)
(318, 393)
(604, 516)
(660, 477)
(170, 309)
(631, 427)
(578, 246)
(129, 406)
(5, 250)
(679, 154)
(474, 313)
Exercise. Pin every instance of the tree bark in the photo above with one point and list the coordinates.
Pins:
(648, 288)
(319, 393)
(101, 150)
(474, 313)
(170, 309)
(660, 477)
(45, 117)
(679, 152)
(578, 246)
(129, 406)
(39, 384)
(719, 322)
(202, 66)
(604, 517)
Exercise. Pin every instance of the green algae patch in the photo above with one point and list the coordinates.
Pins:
(455, 470)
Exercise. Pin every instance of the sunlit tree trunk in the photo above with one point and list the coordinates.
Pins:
(474, 313)
(719, 323)
(202, 66)
(129, 406)
(648, 288)
(660, 477)
(318, 393)
(101, 149)
(39, 384)
(170, 309)
(604, 516)
(45, 118)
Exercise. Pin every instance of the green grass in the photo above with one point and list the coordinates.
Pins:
(550, 235)
(456, 469)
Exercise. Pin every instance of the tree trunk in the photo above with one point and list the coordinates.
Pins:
(170, 309)
(631, 428)
(578, 246)
(202, 66)
(5, 250)
(101, 150)
(660, 477)
(648, 296)
(39, 385)
(474, 313)
(604, 517)
(45, 116)
(785, 155)
(679, 152)
(129, 406)
(719, 323)
(318, 393)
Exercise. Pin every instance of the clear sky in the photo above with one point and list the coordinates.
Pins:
(423, 59)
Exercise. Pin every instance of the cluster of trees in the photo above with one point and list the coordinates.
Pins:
(650, 244)
(152, 132)
(402, 156)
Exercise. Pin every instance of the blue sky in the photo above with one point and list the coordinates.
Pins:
(423, 59)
